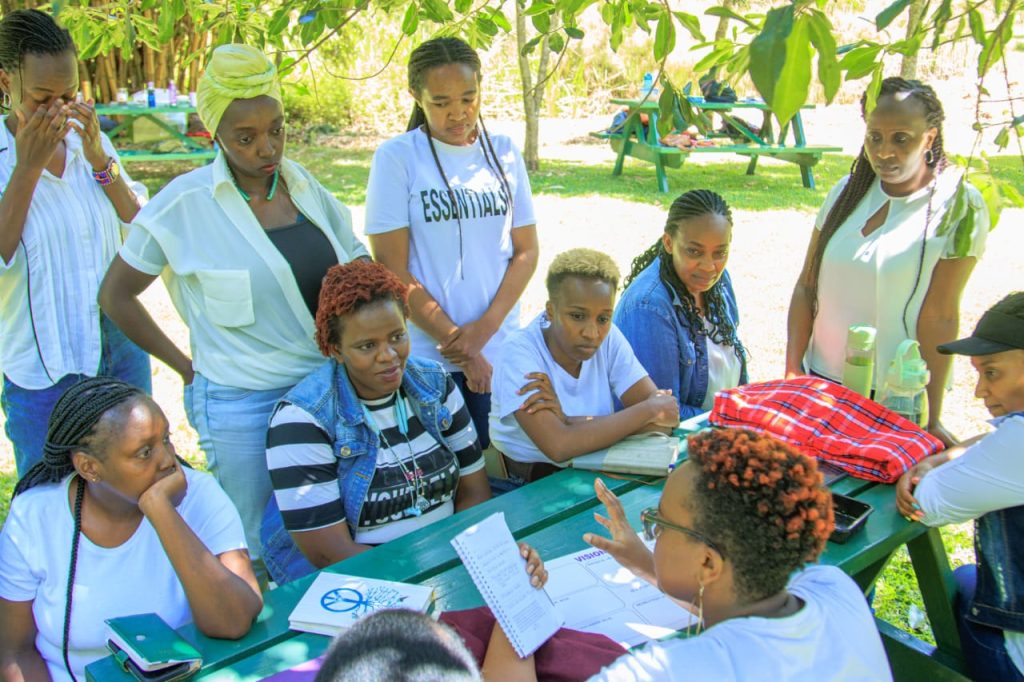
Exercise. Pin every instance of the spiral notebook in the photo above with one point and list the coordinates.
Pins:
(525, 613)
(649, 454)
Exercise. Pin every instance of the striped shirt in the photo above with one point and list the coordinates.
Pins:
(71, 234)
(304, 470)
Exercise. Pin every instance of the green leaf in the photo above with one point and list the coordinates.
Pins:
(541, 22)
(279, 21)
(486, 26)
(860, 61)
(501, 21)
(573, 32)
(664, 37)
(1003, 138)
(691, 24)
(874, 87)
(887, 15)
(795, 78)
(768, 51)
(556, 43)
(411, 20)
(462, 6)
(729, 14)
(829, 74)
(437, 11)
(539, 7)
(977, 25)
(939, 20)
(666, 102)
(530, 45)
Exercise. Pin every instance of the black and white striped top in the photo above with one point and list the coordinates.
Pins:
(303, 469)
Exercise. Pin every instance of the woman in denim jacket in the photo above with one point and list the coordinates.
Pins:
(679, 311)
(373, 444)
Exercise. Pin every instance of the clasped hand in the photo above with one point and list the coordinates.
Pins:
(39, 135)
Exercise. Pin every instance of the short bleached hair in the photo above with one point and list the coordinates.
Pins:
(584, 263)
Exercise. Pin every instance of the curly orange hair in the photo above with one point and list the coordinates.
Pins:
(349, 287)
(764, 502)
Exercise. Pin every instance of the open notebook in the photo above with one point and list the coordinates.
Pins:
(335, 602)
(650, 454)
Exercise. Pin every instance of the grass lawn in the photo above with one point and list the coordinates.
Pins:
(775, 187)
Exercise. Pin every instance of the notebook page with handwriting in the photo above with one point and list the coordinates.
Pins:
(491, 555)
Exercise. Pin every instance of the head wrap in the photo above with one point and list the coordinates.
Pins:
(234, 72)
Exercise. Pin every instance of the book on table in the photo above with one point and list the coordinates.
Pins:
(149, 649)
(334, 602)
(649, 454)
(491, 556)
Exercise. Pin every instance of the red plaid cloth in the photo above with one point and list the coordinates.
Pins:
(823, 419)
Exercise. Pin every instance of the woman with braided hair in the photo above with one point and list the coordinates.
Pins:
(111, 524)
(449, 210)
(893, 247)
(734, 530)
(372, 445)
(63, 203)
(678, 310)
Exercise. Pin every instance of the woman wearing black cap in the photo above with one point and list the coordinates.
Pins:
(983, 481)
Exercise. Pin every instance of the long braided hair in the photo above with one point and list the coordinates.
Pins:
(693, 204)
(73, 428)
(29, 31)
(429, 55)
(862, 175)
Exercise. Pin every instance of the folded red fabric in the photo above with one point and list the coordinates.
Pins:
(824, 419)
(568, 656)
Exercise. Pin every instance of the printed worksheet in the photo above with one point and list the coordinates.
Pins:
(594, 593)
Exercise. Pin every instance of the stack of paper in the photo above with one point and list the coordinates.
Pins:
(650, 454)
(335, 602)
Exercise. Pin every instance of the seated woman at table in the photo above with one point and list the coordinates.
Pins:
(112, 511)
(983, 480)
(372, 445)
(558, 378)
(678, 310)
(892, 247)
(734, 529)
(243, 244)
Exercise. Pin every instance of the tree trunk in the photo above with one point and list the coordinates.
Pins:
(722, 30)
(533, 94)
(908, 67)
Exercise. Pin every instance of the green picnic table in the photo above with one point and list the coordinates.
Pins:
(129, 113)
(552, 515)
(642, 142)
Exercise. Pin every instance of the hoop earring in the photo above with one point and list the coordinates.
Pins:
(929, 157)
(700, 615)
(5, 101)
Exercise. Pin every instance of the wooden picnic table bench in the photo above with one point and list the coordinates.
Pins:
(129, 113)
(552, 515)
(642, 141)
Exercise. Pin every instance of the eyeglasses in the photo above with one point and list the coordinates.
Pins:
(653, 525)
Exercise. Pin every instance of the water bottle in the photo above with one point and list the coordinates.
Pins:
(172, 94)
(150, 95)
(648, 85)
(859, 367)
(906, 382)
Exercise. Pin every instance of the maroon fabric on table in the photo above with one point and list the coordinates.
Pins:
(824, 419)
(569, 655)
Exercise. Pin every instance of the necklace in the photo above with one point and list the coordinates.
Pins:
(417, 489)
(246, 196)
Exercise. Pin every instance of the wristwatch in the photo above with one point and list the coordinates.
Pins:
(109, 174)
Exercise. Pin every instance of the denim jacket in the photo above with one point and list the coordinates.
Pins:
(650, 315)
(328, 396)
(999, 546)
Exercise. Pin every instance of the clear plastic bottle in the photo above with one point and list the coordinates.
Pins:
(648, 84)
(172, 94)
(906, 383)
(859, 367)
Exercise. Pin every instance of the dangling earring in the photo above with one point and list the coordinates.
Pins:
(5, 101)
(929, 156)
(700, 615)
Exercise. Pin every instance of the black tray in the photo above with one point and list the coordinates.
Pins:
(850, 516)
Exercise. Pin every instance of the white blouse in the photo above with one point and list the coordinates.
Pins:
(71, 234)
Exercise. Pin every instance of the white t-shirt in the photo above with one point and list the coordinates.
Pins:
(137, 577)
(724, 369)
(868, 280)
(987, 477)
(406, 190)
(833, 637)
(612, 371)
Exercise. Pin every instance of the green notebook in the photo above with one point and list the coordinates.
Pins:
(152, 646)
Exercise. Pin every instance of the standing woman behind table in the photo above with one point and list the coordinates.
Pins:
(678, 310)
(892, 247)
(449, 210)
(244, 244)
(63, 202)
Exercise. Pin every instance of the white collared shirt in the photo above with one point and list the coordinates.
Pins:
(248, 323)
(71, 234)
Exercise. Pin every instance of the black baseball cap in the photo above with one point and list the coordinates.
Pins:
(996, 333)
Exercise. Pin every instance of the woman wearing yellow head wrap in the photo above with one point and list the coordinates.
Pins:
(243, 245)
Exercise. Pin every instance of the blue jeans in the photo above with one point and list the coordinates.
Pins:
(479, 405)
(232, 427)
(984, 647)
(28, 411)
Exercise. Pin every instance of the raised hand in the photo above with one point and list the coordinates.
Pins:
(39, 135)
(624, 544)
(82, 117)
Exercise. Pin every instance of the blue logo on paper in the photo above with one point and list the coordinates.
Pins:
(343, 600)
